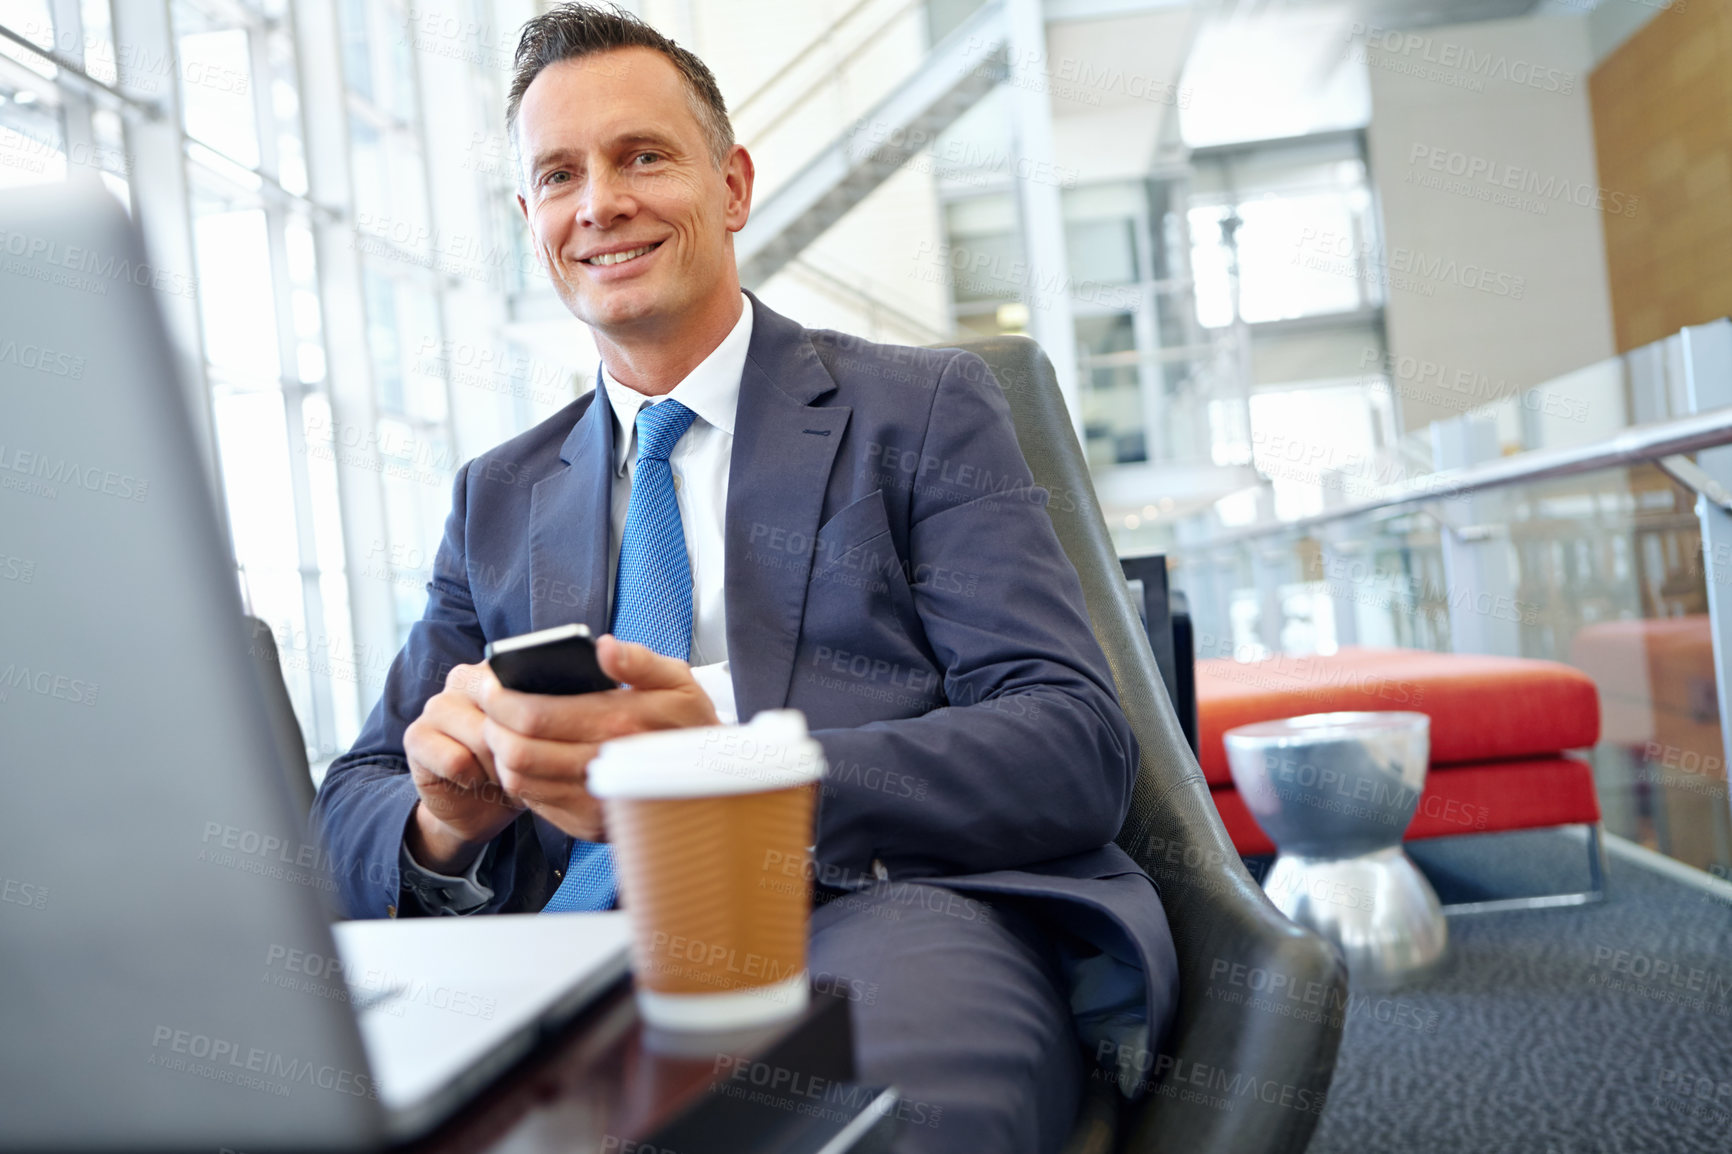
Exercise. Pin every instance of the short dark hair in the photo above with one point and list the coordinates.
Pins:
(574, 31)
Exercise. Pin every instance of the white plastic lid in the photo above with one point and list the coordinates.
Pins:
(773, 752)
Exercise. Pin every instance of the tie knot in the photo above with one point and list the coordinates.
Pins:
(659, 428)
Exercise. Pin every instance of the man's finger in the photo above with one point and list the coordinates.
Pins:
(517, 757)
(444, 760)
(639, 666)
(471, 681)
(455, 716)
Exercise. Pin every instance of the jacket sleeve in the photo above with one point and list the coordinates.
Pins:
(1032, 758)
(367, 796)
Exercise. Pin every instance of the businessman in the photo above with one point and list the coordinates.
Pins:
(760, 516)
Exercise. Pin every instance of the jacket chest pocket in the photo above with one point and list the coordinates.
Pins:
(856, 568)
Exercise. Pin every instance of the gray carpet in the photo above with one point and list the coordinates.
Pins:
(1603, 1028)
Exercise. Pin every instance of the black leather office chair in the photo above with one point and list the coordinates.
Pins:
(1272, 1071)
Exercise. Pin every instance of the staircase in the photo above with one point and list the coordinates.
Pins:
(965, 66)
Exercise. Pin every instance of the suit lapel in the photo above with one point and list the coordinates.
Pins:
(570, 518)
(783, 450)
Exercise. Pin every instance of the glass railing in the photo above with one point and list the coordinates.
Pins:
(1593, 555)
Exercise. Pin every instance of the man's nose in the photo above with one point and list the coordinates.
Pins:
(608, 200)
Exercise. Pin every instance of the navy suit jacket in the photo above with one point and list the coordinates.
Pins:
(891, 571)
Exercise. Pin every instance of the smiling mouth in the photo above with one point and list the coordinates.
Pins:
(607, 259)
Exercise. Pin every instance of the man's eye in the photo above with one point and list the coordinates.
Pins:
(648, 157)
(559, 177)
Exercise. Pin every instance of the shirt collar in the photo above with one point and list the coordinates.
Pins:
(712, 390)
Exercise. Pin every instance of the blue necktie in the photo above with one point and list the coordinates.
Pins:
(652, 605)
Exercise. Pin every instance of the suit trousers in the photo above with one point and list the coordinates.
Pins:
(962, 1007)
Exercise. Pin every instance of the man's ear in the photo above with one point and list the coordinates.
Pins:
(739, 174)
(523, 207)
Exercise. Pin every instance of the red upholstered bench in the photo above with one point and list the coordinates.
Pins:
(1500, 727)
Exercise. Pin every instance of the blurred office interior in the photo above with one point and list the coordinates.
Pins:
(1290, 260)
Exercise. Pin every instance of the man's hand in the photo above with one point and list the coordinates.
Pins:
(540, 745)
(463, 806)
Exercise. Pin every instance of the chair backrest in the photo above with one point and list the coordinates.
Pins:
(274, 692)
(1220, 918)
(1184, 666)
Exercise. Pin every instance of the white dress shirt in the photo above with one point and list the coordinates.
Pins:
(700, 466)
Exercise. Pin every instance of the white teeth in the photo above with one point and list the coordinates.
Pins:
(608, 258)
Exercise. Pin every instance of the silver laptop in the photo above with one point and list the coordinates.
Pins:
(168, 972)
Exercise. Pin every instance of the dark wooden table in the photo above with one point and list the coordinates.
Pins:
(606, 1082)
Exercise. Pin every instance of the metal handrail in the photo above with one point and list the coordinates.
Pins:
(1638, 445)
(799, 58)
(870, 301)
(799, 101)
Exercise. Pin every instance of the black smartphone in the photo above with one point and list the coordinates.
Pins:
(557, 660)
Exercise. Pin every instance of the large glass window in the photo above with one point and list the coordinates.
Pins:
(322, 273)
(1292, 233)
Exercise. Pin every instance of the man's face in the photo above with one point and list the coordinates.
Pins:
(630, 216)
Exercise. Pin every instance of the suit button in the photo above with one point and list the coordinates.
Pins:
(390, 911)
(558, 873)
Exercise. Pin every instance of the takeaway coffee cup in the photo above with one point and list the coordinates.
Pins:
(712, 832)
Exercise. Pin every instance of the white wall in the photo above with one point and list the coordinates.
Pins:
(1495, 295)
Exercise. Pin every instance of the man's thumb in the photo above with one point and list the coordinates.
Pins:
(639, 666)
